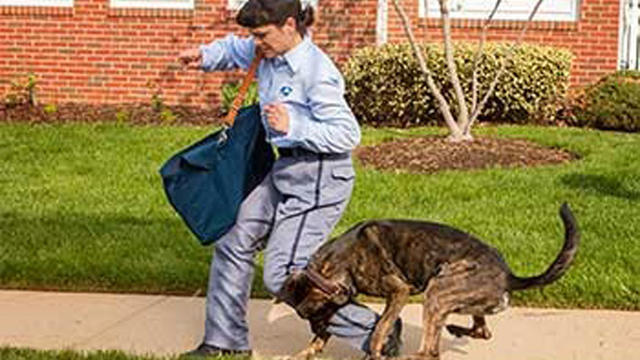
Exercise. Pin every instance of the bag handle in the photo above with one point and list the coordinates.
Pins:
(246, 82)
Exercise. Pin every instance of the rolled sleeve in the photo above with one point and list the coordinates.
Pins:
(229, 53)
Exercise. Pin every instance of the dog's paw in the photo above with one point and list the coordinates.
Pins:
(481, 333)
(374, 357)
(476, 333)
(418, 356)
(306, 354)
(457, 331)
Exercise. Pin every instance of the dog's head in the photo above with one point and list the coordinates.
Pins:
(312, 295)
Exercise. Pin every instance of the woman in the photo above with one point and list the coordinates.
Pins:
(300, 201)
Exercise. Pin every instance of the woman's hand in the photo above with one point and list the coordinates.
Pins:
(277, 117)
(191, 58)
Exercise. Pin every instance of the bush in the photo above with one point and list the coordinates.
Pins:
(21, 92)
(613, 103)
(385, 86)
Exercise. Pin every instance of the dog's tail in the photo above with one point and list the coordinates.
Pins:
(562, 261)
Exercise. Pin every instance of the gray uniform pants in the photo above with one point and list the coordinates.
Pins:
(289, 215)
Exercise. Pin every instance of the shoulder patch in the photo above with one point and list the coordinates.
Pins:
(286, 90)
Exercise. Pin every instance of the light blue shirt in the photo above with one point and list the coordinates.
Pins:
(306, 81)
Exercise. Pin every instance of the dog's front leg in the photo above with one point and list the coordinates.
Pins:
(315, 347)
(396, 299)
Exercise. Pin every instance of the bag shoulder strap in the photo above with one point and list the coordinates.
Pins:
(246, 82)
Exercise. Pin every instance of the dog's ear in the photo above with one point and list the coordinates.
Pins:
(344, 293)
(342, 297)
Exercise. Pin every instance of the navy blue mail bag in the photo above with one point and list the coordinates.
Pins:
(206, 182)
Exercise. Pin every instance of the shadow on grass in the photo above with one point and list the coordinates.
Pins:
(104, 252)
(601, 184)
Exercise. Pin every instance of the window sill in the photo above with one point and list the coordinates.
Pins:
(501, 24)
(157, 13)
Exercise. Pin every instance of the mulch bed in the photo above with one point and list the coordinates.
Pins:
(417, 155)
(436, 153)
(139, 114)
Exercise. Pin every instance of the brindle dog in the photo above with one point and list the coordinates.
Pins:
(397, 258)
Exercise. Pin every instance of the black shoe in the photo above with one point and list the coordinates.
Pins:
(393, 346)
(206, 351)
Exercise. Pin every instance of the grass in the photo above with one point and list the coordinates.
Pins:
(11, 353)
(82, 209)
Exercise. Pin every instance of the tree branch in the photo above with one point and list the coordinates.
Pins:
(442, 102)
(476, 60)
(463, 111)
(507, 58)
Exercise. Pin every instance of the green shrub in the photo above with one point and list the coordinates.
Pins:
(22, 92)
(157, 102)
(123, 116)
(168, 117)
(230, 91)
(613, 103)
(50, 109)
(385, 86)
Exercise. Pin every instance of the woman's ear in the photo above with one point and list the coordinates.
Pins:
(290, 26)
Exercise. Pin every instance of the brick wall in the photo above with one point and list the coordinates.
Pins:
(92, 53)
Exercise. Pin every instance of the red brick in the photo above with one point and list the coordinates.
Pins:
(128, 51)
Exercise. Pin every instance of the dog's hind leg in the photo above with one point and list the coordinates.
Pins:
(479, 330)
(453, 289)
(433, 318)
(396, 299)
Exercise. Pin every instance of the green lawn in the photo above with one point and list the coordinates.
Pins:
(10, 353)
(82, 209)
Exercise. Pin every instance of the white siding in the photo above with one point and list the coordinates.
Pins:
(550, 10)
(153, 4)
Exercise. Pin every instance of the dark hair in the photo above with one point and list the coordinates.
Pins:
(256, 13)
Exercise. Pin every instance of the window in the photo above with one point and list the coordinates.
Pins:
(550, 10)
(235, 4)
(43, 3)
(152, 4)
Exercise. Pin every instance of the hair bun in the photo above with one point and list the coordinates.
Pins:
(306, 15)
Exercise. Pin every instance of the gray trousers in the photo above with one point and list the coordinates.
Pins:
(289, 215)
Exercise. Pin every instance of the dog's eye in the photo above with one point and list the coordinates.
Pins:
(301, 292)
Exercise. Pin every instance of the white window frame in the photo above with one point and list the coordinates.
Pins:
(39, 3)
(237, 4)
(550, 10)
(152, 4)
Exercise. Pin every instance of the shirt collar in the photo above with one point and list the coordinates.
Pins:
(298, 55)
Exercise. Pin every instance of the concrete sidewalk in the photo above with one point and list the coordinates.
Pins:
(164, 325)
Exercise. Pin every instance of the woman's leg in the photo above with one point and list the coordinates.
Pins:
(232, 269)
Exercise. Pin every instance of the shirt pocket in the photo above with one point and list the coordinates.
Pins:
(343, 173)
